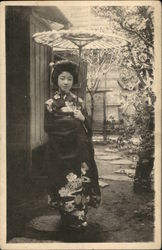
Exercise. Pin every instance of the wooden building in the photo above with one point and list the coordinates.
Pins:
(27, 87)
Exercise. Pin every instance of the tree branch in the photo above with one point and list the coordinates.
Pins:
(95, 82)
(134, 31)
(89, 91)
(98, 82)
(135, 67)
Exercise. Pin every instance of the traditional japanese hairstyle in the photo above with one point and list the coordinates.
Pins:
(61, 66)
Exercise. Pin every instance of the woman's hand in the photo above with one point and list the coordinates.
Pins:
(78, 115)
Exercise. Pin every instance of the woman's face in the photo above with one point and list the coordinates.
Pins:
(65, 81)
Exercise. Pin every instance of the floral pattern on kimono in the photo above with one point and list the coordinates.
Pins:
(73, 176)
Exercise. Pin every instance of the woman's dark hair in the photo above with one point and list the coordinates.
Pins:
(62, 66)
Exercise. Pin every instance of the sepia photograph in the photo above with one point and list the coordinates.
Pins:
(80, 125)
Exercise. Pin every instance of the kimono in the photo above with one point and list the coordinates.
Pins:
(72, 171)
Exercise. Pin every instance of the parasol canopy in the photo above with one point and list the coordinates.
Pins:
(78, 39)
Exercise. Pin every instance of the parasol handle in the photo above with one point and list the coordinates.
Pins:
(79, 83)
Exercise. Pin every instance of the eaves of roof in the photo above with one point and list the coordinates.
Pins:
(52, 13)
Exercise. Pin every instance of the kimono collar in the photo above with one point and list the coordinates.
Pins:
(59, 94)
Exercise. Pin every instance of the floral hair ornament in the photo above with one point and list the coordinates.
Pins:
(51, 65)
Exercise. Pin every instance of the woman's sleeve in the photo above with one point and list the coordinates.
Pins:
(48, 121)
(87, 122)
(51, 117)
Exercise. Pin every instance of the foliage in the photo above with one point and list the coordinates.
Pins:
(136, 62)
(136, 59)
(136, 25)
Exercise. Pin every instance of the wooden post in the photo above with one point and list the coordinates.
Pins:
(104, 116)
(104, 113)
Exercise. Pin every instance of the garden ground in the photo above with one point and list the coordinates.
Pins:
(123, 216)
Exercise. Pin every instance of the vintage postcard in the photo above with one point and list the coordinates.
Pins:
(80, 125)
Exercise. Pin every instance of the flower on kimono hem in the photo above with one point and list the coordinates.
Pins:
(71, 177)
(74, 185)
(85, 200)
(63, 192)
